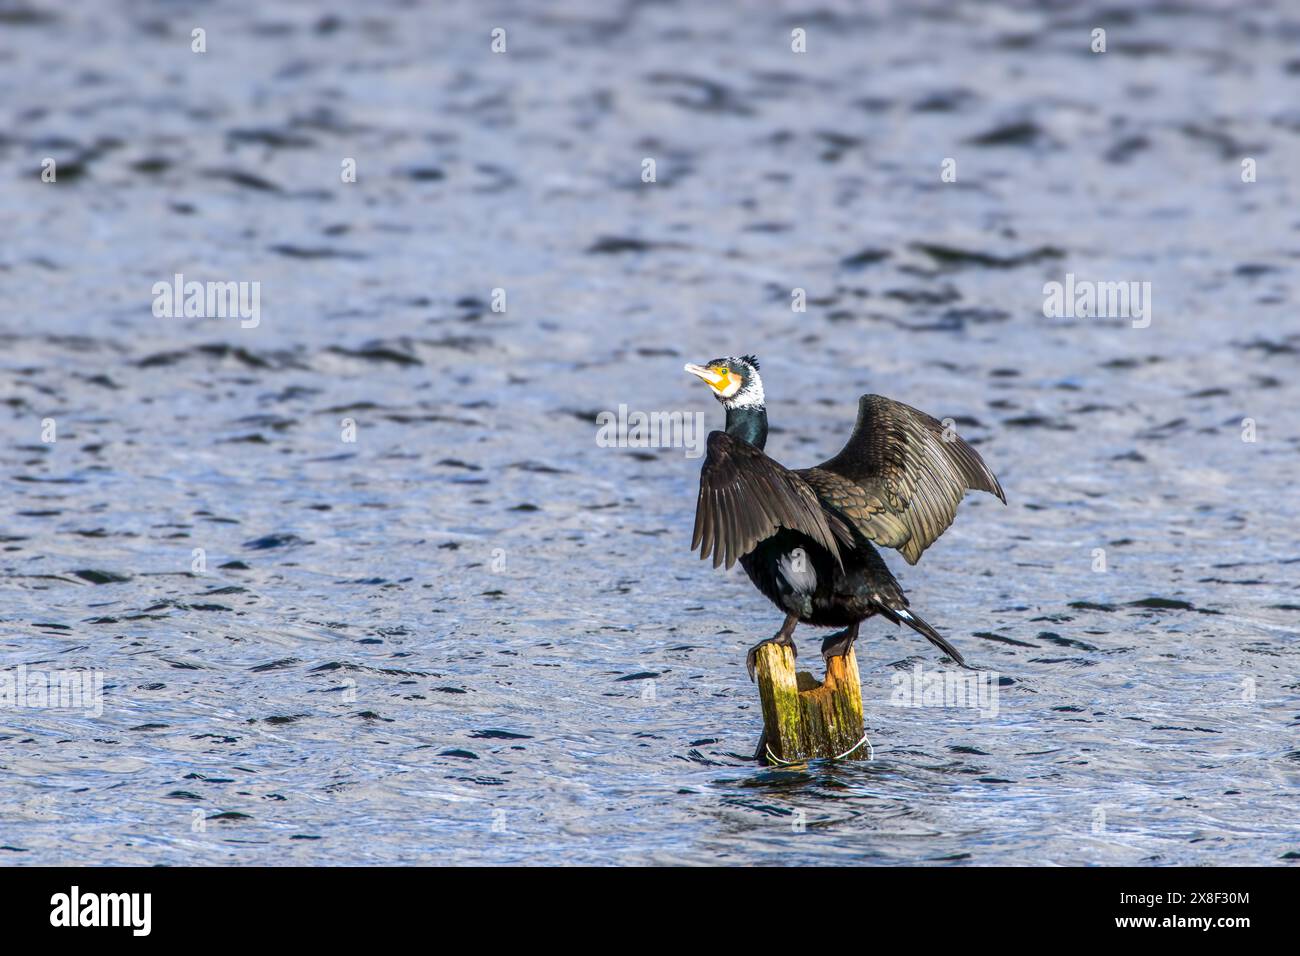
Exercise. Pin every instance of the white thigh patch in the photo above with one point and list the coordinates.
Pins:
(797, 570)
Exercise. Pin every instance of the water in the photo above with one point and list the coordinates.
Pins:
(434, 644)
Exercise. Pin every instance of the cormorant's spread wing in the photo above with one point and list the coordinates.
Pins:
(899, 479)
(746, 497)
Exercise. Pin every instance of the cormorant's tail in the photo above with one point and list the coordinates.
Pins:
(933, 636)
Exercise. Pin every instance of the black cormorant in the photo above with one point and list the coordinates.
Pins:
(805, 537)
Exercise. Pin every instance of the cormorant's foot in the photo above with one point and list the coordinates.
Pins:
(752, 657)
(838, 644)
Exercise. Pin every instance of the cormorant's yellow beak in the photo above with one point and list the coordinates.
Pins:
(716, 378)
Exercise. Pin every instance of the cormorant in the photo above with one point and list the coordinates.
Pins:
(805, 537)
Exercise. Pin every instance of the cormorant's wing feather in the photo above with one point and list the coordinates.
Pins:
(746, 497)
(900, 478)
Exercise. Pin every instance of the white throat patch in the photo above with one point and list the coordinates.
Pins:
(748, 396)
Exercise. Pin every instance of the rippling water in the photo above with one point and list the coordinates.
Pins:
(475, 635)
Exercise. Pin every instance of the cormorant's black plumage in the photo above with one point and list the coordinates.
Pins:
(806, 537)
(746, 497)
(900, 477)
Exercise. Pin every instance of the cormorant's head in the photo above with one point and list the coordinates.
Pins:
(734, 381)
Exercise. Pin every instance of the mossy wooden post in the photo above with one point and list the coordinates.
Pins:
(805, 720)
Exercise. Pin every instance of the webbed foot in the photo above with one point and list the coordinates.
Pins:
(752, 657)
(839, 643)
(783, 637)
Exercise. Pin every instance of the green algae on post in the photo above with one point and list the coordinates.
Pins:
(804, 719)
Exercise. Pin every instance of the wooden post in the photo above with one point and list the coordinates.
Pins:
(805, 720)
